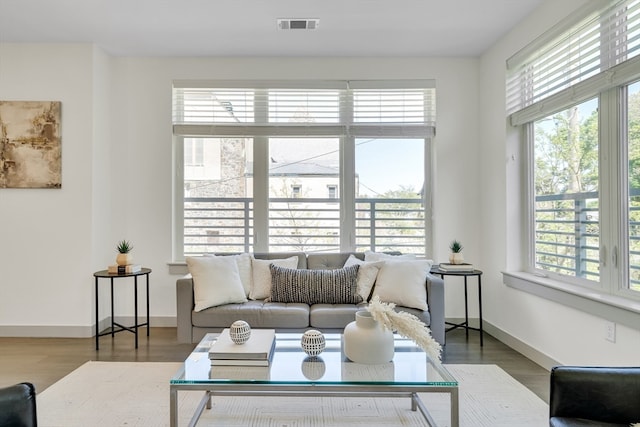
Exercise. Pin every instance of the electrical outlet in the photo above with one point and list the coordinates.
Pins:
(610, 331)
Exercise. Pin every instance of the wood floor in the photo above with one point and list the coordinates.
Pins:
(43, 361)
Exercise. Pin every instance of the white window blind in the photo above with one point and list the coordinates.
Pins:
(607, 37)
(359, 108)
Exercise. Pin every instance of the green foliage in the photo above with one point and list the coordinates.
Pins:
(124, 247)
(455, 247)
(566, 153)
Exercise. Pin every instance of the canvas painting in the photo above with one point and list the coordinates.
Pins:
(30, 145)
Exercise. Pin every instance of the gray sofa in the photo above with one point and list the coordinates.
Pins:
(193, 325)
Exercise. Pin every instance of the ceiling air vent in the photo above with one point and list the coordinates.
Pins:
(298, 24)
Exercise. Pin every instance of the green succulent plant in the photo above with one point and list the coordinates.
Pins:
(456, 247)
(124, 247)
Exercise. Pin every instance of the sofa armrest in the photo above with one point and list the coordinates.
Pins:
(602, 394)
(435, 301)
(185, 304)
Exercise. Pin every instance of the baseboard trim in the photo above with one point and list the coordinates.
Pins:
(520, 346)
(509, 340)
(65, 331)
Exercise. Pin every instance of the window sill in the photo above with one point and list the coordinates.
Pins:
(613, 308)
(178, 268)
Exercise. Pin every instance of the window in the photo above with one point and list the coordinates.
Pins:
(566, 190)
(576, 98)
(332, 191)
(295, 191)
(279, 166)
(391, 226)
(193, 152)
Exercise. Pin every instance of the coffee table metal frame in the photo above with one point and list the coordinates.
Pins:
(252, 387)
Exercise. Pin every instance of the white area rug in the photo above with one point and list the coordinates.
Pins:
(129, 394)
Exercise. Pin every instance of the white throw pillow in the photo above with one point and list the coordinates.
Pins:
(261, 287)
(403, 282)
(216, 281)
(244, 268)
(367, 274)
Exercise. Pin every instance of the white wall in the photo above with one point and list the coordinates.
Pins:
(46, 237)
(117, 172)
(556, 332)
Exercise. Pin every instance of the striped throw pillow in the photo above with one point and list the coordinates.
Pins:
(336, 286)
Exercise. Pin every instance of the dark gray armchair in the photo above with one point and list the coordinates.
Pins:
(594, 396)
(18, 406)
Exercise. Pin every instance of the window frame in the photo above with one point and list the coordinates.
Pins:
(346, 130)
(613, 284)
(611, 297)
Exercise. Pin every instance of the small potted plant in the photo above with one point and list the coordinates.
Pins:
(124, 253)
(456, 253)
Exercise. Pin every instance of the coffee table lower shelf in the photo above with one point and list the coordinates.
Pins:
(316, 390)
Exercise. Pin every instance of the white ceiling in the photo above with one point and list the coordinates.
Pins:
(248, 27)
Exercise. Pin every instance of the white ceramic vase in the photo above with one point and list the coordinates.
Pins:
(366, 341)
(313, 342)
(240, 332)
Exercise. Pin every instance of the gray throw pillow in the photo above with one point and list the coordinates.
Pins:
(336, 286)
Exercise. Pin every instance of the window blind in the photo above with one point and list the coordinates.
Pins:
(603, 39)
(359, 108)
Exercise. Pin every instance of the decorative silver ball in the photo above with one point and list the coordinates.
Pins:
(240, 331)
(313, 368)
(313, 342)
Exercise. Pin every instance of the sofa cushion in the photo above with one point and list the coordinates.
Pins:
(403, 282)
(216, 281)
(328, 261)
(367, 274)
(261, 286)
(258, 314)
(333, 316)
(337, 286)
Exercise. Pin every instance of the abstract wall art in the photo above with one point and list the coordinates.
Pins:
(30, 144)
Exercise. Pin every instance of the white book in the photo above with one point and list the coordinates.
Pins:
(456, 267)
(259, 346)
(240, 362)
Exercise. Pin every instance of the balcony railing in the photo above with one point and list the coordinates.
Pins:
(567, 235)
(311, 225)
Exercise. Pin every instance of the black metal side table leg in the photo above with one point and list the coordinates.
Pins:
(480, 308)
(135, 308)
(466, 308)
(113, 320)
(97, 326)
(148, 324)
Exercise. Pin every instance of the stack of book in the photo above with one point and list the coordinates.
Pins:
(464, 267)
(124, 269)
(257, 351)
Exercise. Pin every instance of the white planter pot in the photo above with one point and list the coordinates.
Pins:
(456, 258)
(366, 341)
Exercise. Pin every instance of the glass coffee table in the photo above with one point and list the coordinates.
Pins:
(292, 373)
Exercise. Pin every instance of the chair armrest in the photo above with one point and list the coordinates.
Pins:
(435, 301)
(184, 307)
(603, 394)
(18, 405)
